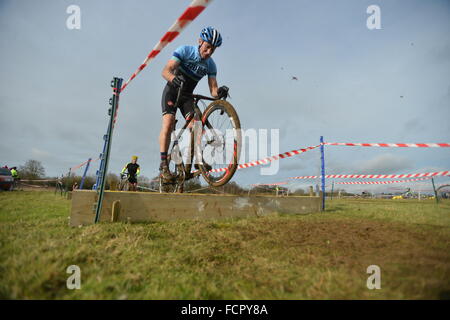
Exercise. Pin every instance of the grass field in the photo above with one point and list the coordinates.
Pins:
(317, 256)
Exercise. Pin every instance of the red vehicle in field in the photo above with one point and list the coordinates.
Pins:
(6, 180)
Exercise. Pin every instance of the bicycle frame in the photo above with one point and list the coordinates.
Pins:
(176, 148)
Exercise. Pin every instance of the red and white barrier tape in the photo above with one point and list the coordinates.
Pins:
(377, 176)
(399, 145)
(427, 175)
(269, 159)
(82, 164)
(194, 9)
(294, 152)
(307, 177)
(268, 184)
(382, 182)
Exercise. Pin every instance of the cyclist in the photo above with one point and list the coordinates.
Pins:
(14, 173)
(187, 66)
(133, 170)
(15, 176)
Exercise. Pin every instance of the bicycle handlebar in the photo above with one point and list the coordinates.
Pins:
(196, 97)
(179, 95)
(200, 97)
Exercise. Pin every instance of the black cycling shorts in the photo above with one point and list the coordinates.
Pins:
(132, 179)
(169, 98)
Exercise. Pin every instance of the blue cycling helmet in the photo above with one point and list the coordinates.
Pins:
(212, 36)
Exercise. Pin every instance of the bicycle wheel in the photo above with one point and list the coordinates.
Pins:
(174, 186)
(220, 143)
(123, 185)
(177, 171)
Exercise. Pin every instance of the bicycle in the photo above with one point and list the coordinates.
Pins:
(123, 183)
(59, 187)
(206, 140)
(16, 185)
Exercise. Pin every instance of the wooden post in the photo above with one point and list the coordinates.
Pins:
(435, 192)
(311, 191)
(115, 211)
(332, 188)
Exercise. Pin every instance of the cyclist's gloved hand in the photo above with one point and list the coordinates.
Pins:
(178, 81)
(222, 92)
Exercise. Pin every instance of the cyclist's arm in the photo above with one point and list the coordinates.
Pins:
(124, 169)
(168, 72)
(212, 82)
(138, 171)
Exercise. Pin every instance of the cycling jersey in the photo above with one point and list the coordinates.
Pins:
(193, 66)
(133, 169)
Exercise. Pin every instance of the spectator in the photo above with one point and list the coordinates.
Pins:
(14, 173)
(15, 176)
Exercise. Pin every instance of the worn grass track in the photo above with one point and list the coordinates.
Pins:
(317, 256)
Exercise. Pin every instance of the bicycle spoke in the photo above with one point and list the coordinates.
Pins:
(215, 143)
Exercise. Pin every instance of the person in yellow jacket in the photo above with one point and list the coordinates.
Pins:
(14, 173)
(133, 170)
(15, 176)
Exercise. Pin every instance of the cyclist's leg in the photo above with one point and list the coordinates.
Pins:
(132, 181)
(187, 110)
(164, 142)
(168, 122)
(168, 117)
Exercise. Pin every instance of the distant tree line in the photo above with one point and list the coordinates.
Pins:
(34, 170)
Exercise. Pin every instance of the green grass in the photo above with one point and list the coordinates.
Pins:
(316, 256)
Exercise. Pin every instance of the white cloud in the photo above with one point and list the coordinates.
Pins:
(384, 164)
(40, 154)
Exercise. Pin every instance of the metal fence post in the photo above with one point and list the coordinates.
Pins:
(116, 83)
(322, 158)
(332, 189)
(85, 172)
(435, 192)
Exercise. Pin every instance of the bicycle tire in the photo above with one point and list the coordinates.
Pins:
(188, 166)
(231, 168)
(178, 174)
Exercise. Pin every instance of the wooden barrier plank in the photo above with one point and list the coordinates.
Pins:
(115, 212)
(145, 206)
(82, 212)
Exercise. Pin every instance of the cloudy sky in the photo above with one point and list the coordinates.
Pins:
(354, 84)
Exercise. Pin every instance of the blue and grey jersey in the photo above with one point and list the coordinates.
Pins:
(193, 66)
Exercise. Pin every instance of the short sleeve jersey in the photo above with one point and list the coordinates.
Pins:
(132, 168)
(192, 64)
